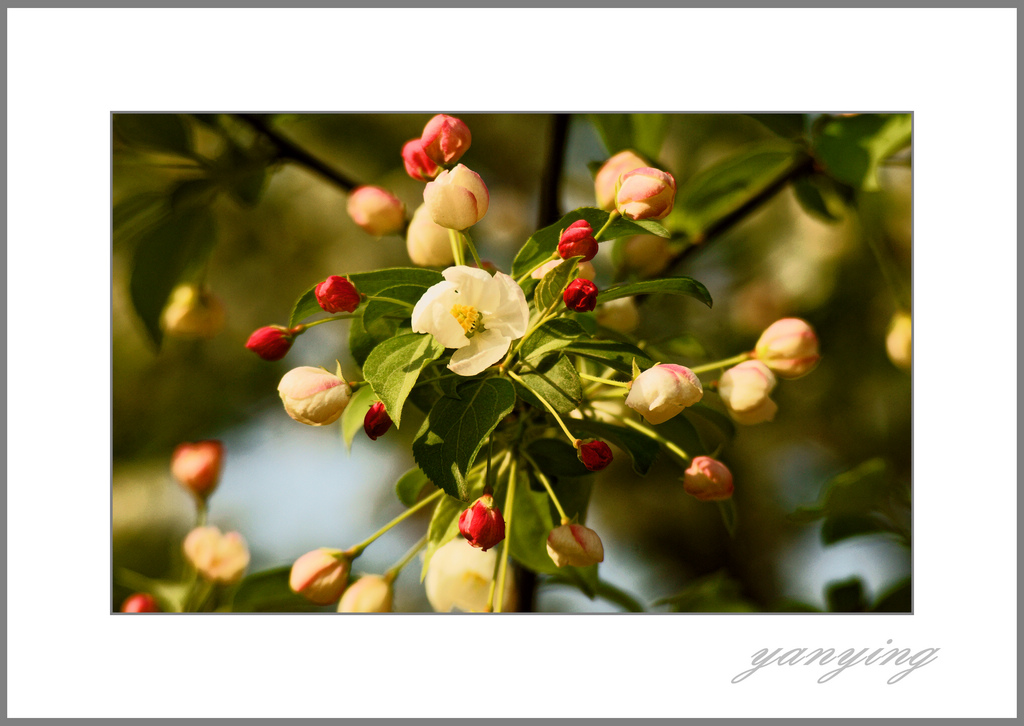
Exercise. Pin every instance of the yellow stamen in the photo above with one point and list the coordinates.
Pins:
(467, 316)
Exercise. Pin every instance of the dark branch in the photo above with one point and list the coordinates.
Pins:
(551, 182)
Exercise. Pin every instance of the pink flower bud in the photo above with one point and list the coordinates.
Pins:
(898, 341)
(271, 342)
(445, 139)
(219, 558)
(457, 199)
(320, 576)
(140, 602)
(197, 466)
(368, 594)
(707, 479)
(337, 295)
(193, 313)
(580, 296)
(428, 244)
(661, 392)
(481, 524)
(608, 176)
(645, 193)
(789, 347)
(745, 389)
(620, 315)
(583, 269)
(578, 241)
(313, 396)
(417, 164)
(575, 545)
(377, 211)
(376, 422)
(594, 454)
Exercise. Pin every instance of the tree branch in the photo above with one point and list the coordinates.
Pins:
(551, 182)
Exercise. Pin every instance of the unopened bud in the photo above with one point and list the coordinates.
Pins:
(368, 594)
(271, 342)
(445, 139)
(708, 479)
(320, 576)
(898, 342)
(645, 193)
(457, 199)
(608, 176)
(313, 396)
(197, 466)
(594, 453)
(337, 295)
(578, 241)
(481, 524)
(219, 558)
(193, 313)
(140, 602)
(459, 576)
(580, 296)
(661, 392)
(417, 164)
(376, 210)
(789, 347)
(428, 244)
(745, 390)
(620, 315)
(575, 545)
(647, 255)
(376, 422)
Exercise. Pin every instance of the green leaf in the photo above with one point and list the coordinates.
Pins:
(135, 214)
(614, 129)
(158, 131)
(381, 317)
(724, 189)
(551, 337)
(855, 492)
(193, 193)
(727, 508)
(852, 147)
(368, 283)
(641, 449)
(668, 285)
(680, 431)
(543, 243)
(268, 591)
(556, 458)
(444, 527)
(613, 354)
(786, 125)
(360, 343)
(897, 599)
(837, 528)
(718, 592)
(553, 284)
(355, 412)
(556, 380)
(164, 256)
(642, 132)
(846, 596)
(394, 366)
(456, 428)
(720, 422)
(410, 485)
(810, 192)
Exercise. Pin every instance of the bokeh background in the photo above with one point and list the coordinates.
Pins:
(289, 488)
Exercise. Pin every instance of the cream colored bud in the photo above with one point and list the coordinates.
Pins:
(428, 244)
(789, 347)
(193, 313)
(376, 210)
(457, 199)
(898, 340)
(647, 255)
(662, 392)
(575, 545)
(620, 315)
(368, 594)
(745, 390)
(608, 175)
(313, 396)
(219, 558)
(459, 576)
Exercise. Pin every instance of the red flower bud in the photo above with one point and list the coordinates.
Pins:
(482, 525)
(594, 454)
(140, 602)
(197, 466)
(337, 295)
(578, 241)
(376, 422)
(445, 139)
(581, 295)
(271, 342)
(418, 165)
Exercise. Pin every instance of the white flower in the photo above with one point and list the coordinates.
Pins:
(475, 313)
(459, 576)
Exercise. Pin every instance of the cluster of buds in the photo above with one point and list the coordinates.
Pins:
(377, 211)
(219, 558)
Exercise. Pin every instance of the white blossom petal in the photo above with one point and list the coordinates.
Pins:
(432, 314)
(484, 350)
(512, 315)
(476, 287)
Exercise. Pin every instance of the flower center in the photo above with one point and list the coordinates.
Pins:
(468, 318)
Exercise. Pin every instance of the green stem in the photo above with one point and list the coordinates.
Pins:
(472, 249)
(326, 320)
(547, 485)
(456, 241)
(547, 405)
(393, 571)
(545, 317)
(392, 300)
(509, 502)
(671, 446)
(201, 511)
(611, 218)
(723, 363)
(357, 550)
(606, 381)
(554, 256)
